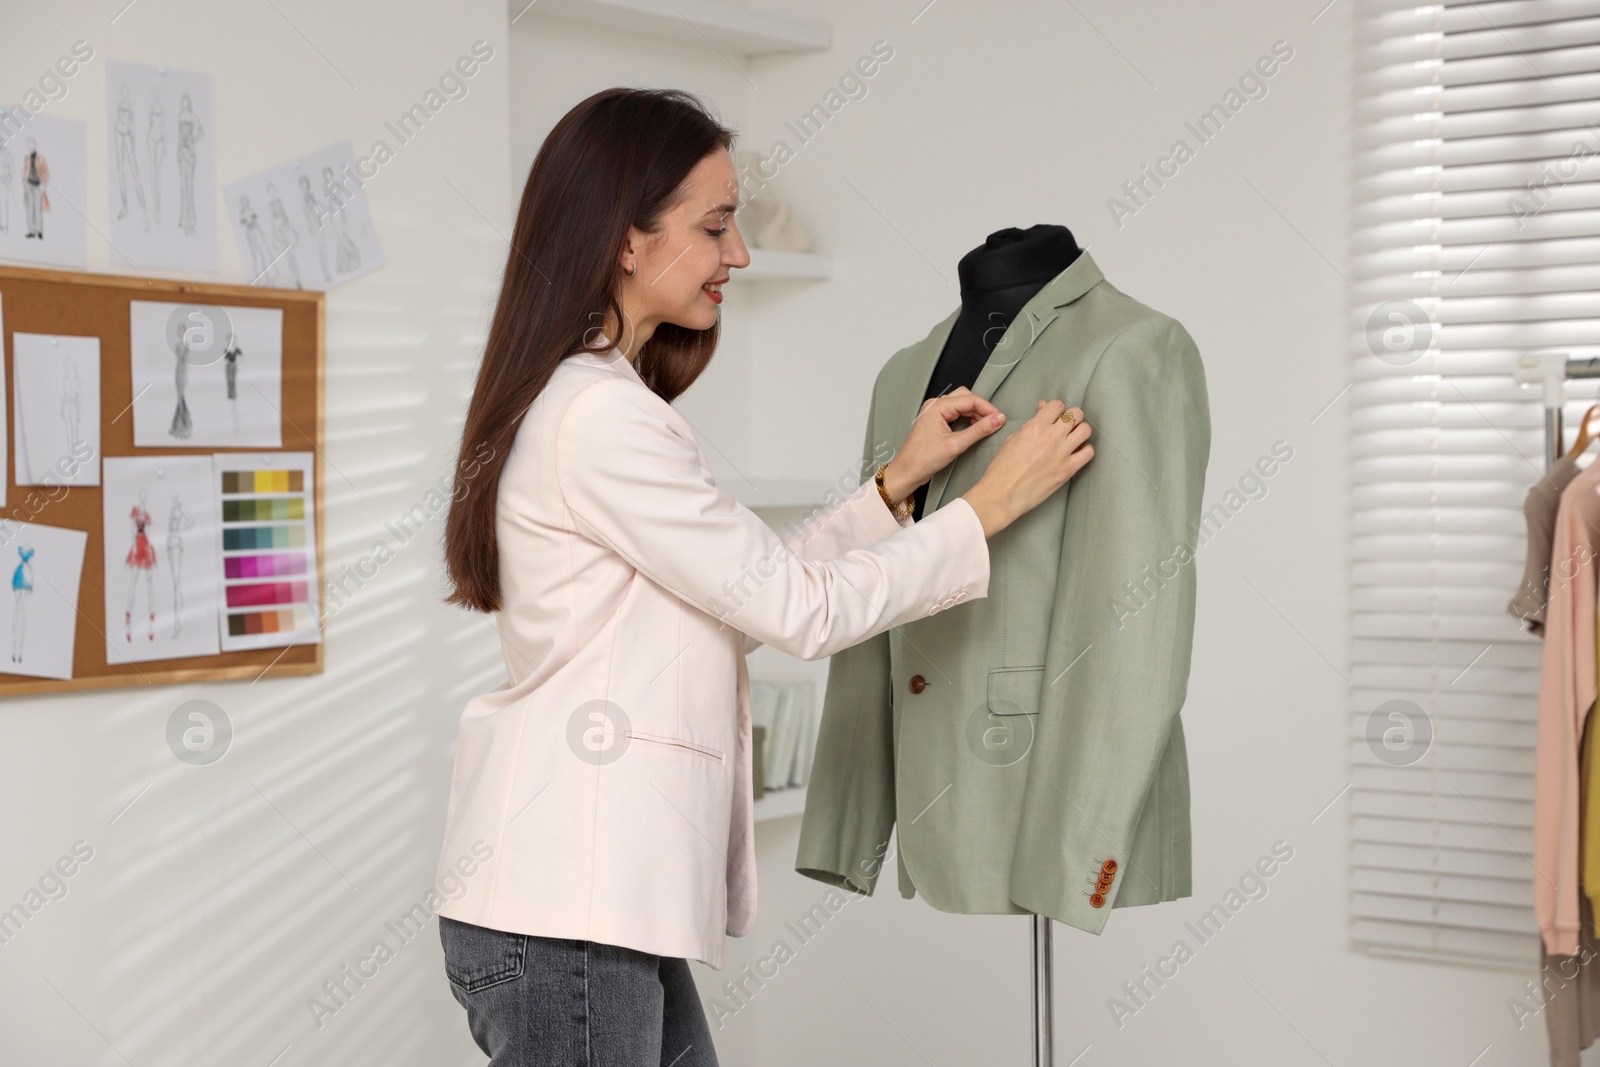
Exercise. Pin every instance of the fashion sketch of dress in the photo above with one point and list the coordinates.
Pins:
(35, 189)
(189, 132)
(178, 520)
(182, 425)
(21, 590)
(347, 258)
(7, 176)
(156, 142)
(315, 213)
(261, 272)
(141, 560)
(284, 237)
(128, 157)
(230, 370)
(71, 408)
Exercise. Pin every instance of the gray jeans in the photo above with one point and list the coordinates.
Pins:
(552, 1002)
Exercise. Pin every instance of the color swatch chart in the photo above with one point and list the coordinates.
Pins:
(269, 565)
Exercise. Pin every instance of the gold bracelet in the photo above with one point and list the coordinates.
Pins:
(901, 510)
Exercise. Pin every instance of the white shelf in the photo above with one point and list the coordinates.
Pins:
(770, 264)
(780, 492)
(781, 804)
(727, 26)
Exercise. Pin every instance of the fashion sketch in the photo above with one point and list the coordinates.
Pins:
(7, 175)
(71, 403)
(182, 424)
(347, 258)
(21, 590)
(128, 157)
(284, 236)
(230, 370)
(260, 260)
(189, 132)
(35, 189)
(315, 213)
(178, 520)
(156, 142)
(141, 559)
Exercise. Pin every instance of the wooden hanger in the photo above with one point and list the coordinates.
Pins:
(1585, 437)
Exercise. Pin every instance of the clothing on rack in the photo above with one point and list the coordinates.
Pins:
(1571, 984)
(1540, 511)
(1566, 692)
(1589, 823)
(1571, 988)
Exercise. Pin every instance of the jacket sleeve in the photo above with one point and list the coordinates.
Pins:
(1117, 658)
(634, 481)
(850, 801)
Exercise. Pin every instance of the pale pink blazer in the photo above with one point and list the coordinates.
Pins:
(611, 774)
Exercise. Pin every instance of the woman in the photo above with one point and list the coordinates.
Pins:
(599, 830)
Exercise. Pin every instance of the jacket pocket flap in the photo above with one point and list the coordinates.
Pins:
(1015, 690)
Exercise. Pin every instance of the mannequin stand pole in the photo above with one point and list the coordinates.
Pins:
(1043, 1040)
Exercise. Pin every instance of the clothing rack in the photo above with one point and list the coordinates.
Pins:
(1551, 371)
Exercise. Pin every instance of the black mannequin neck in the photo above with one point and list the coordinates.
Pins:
(1013, 259)
(997, 279)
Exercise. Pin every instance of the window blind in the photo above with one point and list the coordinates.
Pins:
(1475, 239)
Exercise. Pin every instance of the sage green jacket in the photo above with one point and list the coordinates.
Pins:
(1024, 739)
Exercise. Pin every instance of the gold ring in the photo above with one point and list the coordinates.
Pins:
(1067, 417)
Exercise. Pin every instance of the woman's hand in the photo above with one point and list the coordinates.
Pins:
(932, 445)
(1030, 465)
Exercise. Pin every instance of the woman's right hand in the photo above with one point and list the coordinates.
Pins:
(1030, 465)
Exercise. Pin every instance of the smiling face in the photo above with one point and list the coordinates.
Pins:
(679, 269)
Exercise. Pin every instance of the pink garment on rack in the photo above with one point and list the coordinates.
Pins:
(1566, 692)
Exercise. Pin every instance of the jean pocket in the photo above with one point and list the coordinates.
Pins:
(476, 957)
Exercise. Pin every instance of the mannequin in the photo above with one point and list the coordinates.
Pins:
(997, 279)
(1020, 775)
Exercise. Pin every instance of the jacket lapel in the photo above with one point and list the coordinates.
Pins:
(1037, 314)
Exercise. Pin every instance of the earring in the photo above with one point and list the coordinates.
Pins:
(630, 273)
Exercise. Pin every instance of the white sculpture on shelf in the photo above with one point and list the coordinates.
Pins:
(766, 221)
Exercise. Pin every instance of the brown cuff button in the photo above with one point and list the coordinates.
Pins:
(1098, 900)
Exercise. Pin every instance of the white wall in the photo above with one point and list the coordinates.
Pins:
(222, 897)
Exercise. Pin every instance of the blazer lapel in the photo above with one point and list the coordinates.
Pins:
(1037, 314)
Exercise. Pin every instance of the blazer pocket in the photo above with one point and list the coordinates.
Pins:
(703, 751)
(476, 957)
(1015, 690)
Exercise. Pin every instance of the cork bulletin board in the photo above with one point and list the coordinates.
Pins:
(71, 303)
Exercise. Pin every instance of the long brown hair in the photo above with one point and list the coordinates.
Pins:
(615, 160)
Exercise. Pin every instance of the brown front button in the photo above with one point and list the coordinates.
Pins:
(917, 683)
